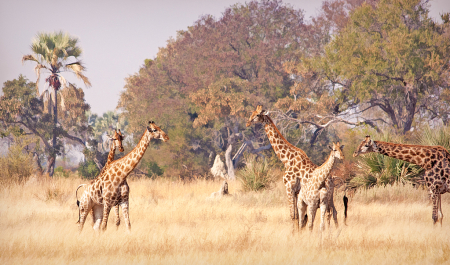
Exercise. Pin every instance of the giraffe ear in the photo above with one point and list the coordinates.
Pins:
(342, 147)
(329, 147)
(265, 112)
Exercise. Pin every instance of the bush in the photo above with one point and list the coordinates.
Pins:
(435, 136)
(17, 165)
(61, 172)
(154, 170)
(256, 175)
(88, 169)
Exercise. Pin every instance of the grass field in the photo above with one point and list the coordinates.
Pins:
(176, 223)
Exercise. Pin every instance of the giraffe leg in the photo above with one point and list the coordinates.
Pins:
(85, 208)
(441, 215)
(292, 199)
(116, 211)
(303, 215)
(334, 216)
(323, 197)
(312, 209)
(435, 200)
(97, 214)
(106, 210)
(126, 216)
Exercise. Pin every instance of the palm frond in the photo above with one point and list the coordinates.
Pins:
(29, 57)
(63, 81)
(44, 97)
(37, 69)
(78, 68)
(63, 105)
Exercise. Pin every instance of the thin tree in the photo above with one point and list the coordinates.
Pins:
(52, 53)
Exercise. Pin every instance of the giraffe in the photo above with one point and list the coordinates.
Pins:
(434, 159)
(124, 189)
(298, 167)
(115, 142)
(104, 192)
(314, 192)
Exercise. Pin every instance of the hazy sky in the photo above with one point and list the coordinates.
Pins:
(116, 36)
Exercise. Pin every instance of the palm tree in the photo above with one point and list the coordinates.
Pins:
(52, 52)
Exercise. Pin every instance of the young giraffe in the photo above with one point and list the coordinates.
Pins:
(104, 193)
(299, 168)
(116, 142)
(315, 193)
(434, 159)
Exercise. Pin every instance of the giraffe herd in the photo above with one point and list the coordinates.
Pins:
(308, 186)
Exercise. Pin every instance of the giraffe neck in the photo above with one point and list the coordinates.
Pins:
(112, 152)
(324, 170)
(280, 145)
(408, 153)
(127, 163)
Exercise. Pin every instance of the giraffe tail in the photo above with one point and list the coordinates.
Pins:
(78, 202)
(345, 209)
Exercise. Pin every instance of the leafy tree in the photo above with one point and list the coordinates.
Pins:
(214, 73)
(54, 53)
(391, 57)
(21, 113)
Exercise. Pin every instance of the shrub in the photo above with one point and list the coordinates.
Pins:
(154, 170)
(17, 165)
(88, 169)
(435, 136)
(61, 172)
(256, 175)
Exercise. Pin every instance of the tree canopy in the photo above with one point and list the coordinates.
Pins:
(393, 57)
(21, 113)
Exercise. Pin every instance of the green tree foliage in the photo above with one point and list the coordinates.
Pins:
(54, 53)
(88, 169)
(21, 113)
(391, 56)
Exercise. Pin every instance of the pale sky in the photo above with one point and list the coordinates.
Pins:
(116, 36)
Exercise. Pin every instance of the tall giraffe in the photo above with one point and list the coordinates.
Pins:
(434, 159)
(104, 193)
(299, 168)
(115, 142)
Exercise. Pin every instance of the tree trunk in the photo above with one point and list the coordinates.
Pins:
(411, 103)
(229, 162)
(51, 168)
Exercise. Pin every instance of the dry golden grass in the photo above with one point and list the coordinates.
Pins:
(175, 223)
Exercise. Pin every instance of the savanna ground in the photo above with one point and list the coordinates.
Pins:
(175, 223)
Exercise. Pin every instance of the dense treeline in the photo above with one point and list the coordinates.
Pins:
(358, 67)
(380, 64)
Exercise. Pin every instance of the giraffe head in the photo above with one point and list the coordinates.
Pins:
(155, 132)
(257, 116)
(117, 139)
(337, 150)
(366, 146)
